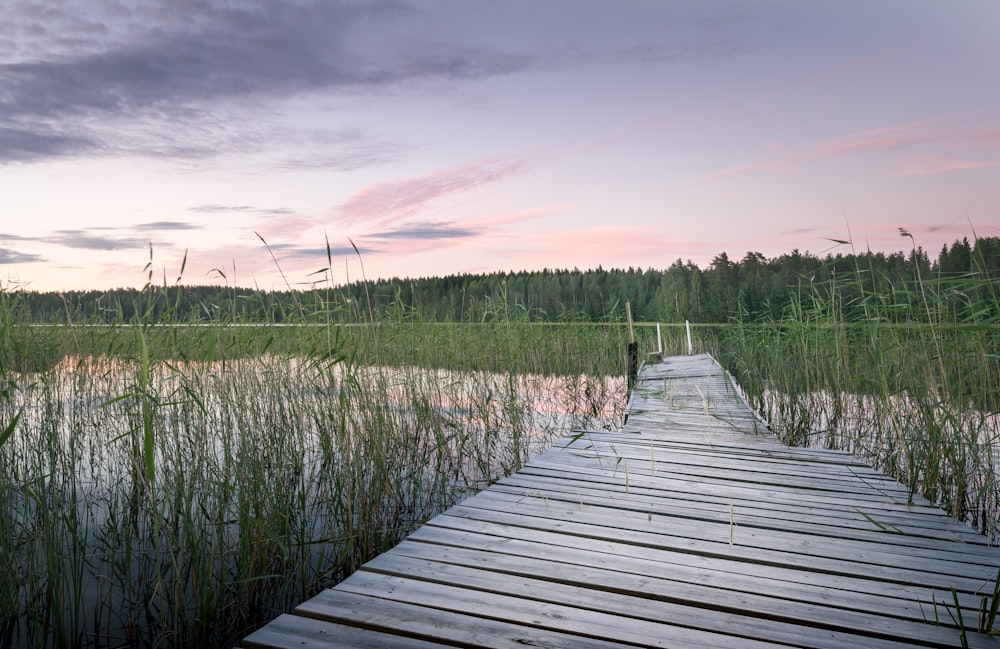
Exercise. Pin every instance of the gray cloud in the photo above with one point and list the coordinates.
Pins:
(274, 47)
(374, 244)
(344, 150)
(429, 231)
(35, 143)
(241, 209)
(804, 230)
(289, 251)
(370, 245)
(166, 225)
(92, 239)
(170, 61)
(215, 209)
(349, 160)
(9, 256)
(82, 239)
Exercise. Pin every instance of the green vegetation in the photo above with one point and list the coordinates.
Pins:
(752, 286)
(175, 484)
(905, 374)
(181, 464)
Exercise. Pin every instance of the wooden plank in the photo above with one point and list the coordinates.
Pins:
(300, 632)
(738, 625)
(448, 627)
(781, 499)
(464, 532)
(784, 541)
(864, 527)
(866, 495)
(763, 449)
(565, 468)
(758, 459)
(739, 473)
(914, 528)
(842, 564)
(644, 452)
(691, 527)
(536, 614)
(852, 593)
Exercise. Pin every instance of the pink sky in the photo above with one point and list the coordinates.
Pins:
(445, 138)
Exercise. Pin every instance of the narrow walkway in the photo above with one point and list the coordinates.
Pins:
(692, 527)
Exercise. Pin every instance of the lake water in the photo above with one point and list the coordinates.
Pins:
(183, 506)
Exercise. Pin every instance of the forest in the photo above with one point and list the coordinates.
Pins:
(964, 277)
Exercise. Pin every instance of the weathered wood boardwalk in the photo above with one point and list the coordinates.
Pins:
(692, 527)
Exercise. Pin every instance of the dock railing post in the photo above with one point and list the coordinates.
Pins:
(687, 324)
(633, 350)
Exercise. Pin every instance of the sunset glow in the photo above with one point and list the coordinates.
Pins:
(444, 138)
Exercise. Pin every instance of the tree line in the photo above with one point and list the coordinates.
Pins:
(963, 280)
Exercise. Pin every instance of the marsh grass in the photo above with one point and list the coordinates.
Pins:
(178, 484)
(913, 389)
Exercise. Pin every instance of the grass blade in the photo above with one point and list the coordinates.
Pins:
(9, 429)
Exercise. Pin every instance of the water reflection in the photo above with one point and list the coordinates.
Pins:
(183, 506)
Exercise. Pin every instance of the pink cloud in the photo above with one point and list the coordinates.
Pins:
(500, 249)
(890, 137)
(518, 216)
(930, 165)
(384, 203)
(991, 138)
(420, 237)
(779, 159)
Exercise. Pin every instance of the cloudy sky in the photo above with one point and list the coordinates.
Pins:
(465, 136)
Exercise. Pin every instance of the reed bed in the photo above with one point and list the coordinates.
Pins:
(179, 484)
(914, 391)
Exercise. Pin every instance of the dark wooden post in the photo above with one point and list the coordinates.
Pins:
(633, 350)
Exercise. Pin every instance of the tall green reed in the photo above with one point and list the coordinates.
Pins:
(899, 372)
(167, 483)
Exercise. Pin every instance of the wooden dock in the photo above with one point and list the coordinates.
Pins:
(691, 527)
